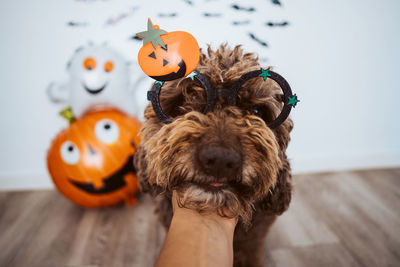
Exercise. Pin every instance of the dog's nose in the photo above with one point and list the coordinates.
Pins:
(219, 161)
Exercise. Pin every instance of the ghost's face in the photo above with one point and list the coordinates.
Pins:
(98, 74)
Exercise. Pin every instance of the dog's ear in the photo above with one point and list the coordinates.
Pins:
(278, 199)
(282, 133)
(141, 173)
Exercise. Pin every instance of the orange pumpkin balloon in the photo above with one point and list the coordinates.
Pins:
(167, 56)
(91, 162)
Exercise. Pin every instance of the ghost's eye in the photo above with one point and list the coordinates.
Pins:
(70, 153)
(89, 63)
(108, 66)
(106, 131)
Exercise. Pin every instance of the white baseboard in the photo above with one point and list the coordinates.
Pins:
(344, 163)
(25, 181)
(31, 181)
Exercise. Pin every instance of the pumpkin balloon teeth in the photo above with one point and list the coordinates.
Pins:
(173, 75)
(167, 56)
(110, 184)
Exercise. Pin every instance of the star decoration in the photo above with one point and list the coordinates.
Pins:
(293, 100)
(192, 75)
(265, 73)
(68, 114)
(158, 82)
(152, 35)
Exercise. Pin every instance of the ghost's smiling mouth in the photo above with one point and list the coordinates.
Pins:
(94, 91)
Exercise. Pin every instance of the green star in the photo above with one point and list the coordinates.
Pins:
(152, 35)
(265, 73)
(293, 100)
(192, 75)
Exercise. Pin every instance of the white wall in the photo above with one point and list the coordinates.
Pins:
(341, 57)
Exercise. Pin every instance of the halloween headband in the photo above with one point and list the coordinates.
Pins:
(166, 56)
(152, 42)
(290, 99)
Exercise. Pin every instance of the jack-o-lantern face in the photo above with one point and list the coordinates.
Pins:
(174, 55)
(91, 162)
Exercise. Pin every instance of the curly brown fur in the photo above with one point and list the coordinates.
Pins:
(167, 156)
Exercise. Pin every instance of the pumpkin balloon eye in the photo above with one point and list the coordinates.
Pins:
(106, 131)
(89, 63)
(69, 153)
(108, 66)
(152, 55)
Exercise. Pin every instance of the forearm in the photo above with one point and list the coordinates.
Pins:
(198, 240)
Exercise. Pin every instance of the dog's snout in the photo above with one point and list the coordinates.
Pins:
(219, 161)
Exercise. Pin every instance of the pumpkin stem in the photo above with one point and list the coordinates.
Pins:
(68, 114)
(152, 35)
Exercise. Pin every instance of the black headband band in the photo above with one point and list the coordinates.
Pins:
(290, 100)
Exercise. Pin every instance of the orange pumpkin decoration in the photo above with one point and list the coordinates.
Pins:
(167, 56)
(91, 162)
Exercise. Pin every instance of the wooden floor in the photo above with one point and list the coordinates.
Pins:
(335, 219)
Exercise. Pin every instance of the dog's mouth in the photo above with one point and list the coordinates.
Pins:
(95, 90)
(213, 187)
(205, 186)
(217, 186)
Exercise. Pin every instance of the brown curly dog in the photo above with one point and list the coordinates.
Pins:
(227, 160)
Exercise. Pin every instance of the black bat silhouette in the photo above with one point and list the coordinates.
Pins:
(77, 24)
(252, 36)
(249, 9)
(277, 24)
(170, 15)
(244, 22)
(276, 2)
(136, 38)
(188, 2)
(212, 15)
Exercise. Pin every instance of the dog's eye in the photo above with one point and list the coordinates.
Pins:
(263, 112)
(258, 111)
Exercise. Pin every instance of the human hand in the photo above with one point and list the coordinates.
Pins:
(197, 239)
(208, 217)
